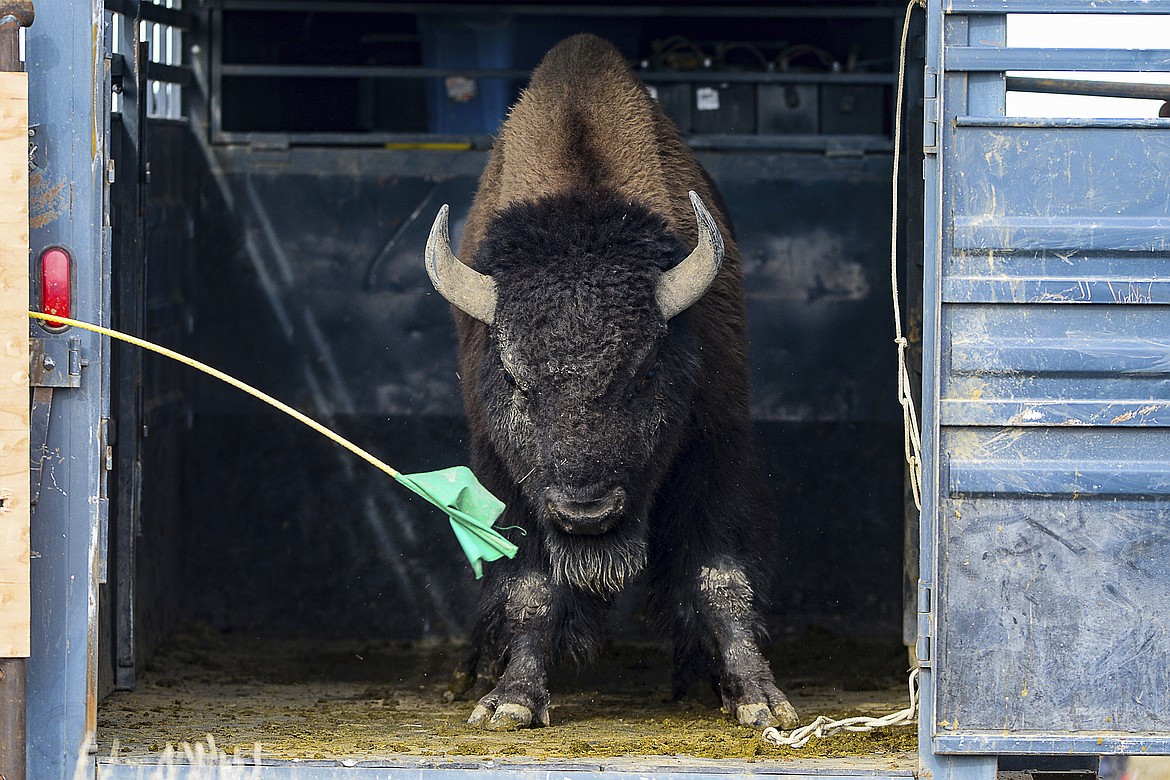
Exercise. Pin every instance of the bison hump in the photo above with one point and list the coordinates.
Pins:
(585, 122)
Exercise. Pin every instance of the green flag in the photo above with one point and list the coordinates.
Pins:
(456, 491)
(471, 508)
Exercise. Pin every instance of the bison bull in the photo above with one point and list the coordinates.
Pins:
(602, 350)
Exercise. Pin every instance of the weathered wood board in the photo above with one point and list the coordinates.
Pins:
(15, 600)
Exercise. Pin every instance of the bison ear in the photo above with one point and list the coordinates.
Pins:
(464, 287)
(686, 283)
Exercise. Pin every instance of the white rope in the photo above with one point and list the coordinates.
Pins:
(825, 726)
(911, 436)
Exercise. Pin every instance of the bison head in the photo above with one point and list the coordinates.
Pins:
(586, 380)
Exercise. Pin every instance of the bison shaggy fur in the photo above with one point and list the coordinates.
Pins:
(615, 429)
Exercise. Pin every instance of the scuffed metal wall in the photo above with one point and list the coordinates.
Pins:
(312, 287)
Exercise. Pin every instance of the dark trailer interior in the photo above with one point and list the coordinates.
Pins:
(279, 165)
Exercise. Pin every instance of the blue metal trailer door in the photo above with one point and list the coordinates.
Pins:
(1045, 593)
(69, 116)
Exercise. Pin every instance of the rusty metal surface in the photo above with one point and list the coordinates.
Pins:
(12, 718)
(13, 16)
(22, 11)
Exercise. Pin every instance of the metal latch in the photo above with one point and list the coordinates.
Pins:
(53, 363)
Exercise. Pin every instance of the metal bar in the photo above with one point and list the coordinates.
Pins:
(128, 151)
(1056, 7)
(556, 9)
(934, 246)
(42, 406)
(213, 92)
(366, 71)
(833, 145)
(837, 145)
(171, 74)
(411, 72)
(1085, 478)
(150, 12)
(977, 232)
(1099, 743)
(12, 719)
(435, 142)
(1063, 122)
(993, 58)
(171, 17)
(1119, 89)
(1150, 291)
(14, 14)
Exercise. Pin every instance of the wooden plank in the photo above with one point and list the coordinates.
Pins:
(15, 598)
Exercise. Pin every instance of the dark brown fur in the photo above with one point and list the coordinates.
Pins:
(586, 127)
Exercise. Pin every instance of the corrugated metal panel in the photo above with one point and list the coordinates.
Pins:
(1052, 416)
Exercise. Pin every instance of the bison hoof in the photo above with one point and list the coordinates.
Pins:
(782, 716)
(757, 715)
(505, 717)
(786, 717)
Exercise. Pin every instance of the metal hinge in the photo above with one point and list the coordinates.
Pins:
(54, 362)
(924, 646)
(930, 111)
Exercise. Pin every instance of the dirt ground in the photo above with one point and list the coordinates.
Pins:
(360, 700)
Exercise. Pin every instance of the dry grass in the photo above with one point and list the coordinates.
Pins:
(383, 700)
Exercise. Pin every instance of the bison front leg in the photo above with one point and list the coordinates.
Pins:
(520, 698)
(723, 602)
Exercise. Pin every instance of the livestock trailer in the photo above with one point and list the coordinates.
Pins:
(251, 182)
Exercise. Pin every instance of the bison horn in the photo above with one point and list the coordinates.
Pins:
(464, 287)
(684, 284)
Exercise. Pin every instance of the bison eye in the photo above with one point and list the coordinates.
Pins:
(646, 379)
(517, 391)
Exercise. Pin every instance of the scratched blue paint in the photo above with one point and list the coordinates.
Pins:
(1084, 478)
(1074, 353)
(1056, 6)
(984, 58)
(67, 87)
(1063, 289)
(1047, 409)
(1101, 233)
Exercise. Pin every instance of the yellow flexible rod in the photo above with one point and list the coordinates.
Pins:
(231, 380)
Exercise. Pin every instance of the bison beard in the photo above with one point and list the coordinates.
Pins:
(603, 355)
(598, 564)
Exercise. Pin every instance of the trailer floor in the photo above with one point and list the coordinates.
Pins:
(357, 701)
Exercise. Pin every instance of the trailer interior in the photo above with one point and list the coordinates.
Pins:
(217, 591)
(278, 167)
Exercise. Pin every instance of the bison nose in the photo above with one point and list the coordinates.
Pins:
(586, 512)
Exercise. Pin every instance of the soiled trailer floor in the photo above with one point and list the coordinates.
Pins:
(362, 701)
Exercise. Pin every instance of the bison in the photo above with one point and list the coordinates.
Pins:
(599, 308)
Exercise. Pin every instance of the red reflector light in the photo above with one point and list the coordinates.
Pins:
(55, 284)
